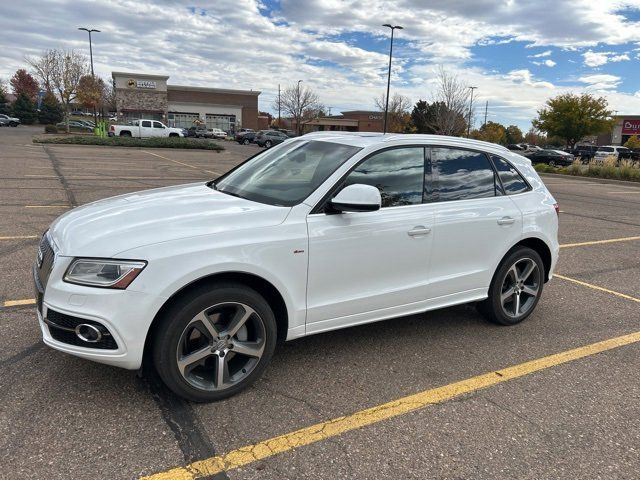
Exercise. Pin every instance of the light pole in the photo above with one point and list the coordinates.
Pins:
(470, 107)
(386, 104)
(89, 30)
(299, 119)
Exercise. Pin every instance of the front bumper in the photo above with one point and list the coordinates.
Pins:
(126, 314)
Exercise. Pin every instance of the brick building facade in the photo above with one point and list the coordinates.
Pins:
(150, 96)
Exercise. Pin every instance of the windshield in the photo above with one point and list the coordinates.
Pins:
(287, 174)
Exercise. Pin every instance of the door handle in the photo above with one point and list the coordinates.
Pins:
(506, 221)
(419, 230)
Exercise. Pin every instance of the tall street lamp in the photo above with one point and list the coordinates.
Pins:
(89, 30)
(386, 105)
(470, 107)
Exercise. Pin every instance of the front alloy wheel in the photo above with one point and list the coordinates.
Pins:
(214, 341)
(221, 346)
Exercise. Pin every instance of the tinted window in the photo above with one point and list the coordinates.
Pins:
(463, 174)
(606, 149)
(146, 123)
(157, 125)
(512, 181)
(398, 174)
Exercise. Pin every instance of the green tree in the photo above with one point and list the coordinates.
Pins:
(633, 142)
(514, 134)
(24, 109)
(4, 103)
(51, 111)
(573, 117)
(491, 132)
(422, 117)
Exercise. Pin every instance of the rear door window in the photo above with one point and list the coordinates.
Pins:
(463, 175)
(146, 123)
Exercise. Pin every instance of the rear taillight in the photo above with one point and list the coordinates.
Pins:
(557, 208)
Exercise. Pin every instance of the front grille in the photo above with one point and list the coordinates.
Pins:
(62, 328)
(46, 256)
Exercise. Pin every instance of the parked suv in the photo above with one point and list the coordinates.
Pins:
(620, 153)
(584, 152)
(6, 120)
(269, 138)
(321, 232)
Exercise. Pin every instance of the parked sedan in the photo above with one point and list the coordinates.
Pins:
(216, 133)
(6, 120)
(75, 125)
(269, 138)
(552, 157)
(245, 137)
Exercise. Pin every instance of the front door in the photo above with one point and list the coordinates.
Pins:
(369, 265)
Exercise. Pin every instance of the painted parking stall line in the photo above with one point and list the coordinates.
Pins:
(331, 428)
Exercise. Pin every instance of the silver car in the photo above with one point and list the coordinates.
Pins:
(6, 120)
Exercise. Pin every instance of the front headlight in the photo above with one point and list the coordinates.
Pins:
(104, 273)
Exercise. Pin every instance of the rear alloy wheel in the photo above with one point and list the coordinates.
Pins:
(245, 141)
(215, 342)
(552, 163)
(515, 289)
(267, 144)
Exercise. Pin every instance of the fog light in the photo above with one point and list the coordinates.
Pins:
(88, 333)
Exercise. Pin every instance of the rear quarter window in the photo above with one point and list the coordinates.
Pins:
(512, 181)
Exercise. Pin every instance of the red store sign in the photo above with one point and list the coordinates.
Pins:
(631, 127)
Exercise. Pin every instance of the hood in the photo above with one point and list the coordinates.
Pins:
(107, 227)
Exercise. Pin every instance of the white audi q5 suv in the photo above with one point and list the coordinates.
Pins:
(321, 232)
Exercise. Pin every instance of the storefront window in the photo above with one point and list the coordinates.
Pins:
(223, 122)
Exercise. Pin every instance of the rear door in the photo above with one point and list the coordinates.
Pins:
(146, 129)
(475, 222)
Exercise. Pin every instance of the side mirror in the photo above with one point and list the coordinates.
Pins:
(357, 198)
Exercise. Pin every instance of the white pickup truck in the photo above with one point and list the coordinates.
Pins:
(144, 129)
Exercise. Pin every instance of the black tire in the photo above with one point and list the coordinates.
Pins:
(174, 135)
(13, 124)
(552, 163)
(268, 144)
(125, 134)
(245, 141)
(492, 307)
(174, 322)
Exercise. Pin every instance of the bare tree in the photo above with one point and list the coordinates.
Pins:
(68, 69)
(299, 102)
(398, 113)
(450, 105)
(43, 68)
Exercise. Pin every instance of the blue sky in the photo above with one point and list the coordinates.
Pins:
(518, 53)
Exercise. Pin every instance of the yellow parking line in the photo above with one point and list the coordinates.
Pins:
(15, 303)
(19, 237)
(600, 242)
(321, 431)
(637, 191)
(182, 163)
(596, 287)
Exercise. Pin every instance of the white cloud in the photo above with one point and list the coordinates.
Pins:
(596, 59)
(546, 53)
(548, 63)
(600, 81)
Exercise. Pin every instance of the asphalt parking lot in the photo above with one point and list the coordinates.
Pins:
(427, 396)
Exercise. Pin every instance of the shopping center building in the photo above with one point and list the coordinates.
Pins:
(624, 127)
(150, 96)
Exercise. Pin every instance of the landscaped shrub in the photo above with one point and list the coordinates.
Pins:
(575, 168)
(187, 143)
(50, 129)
